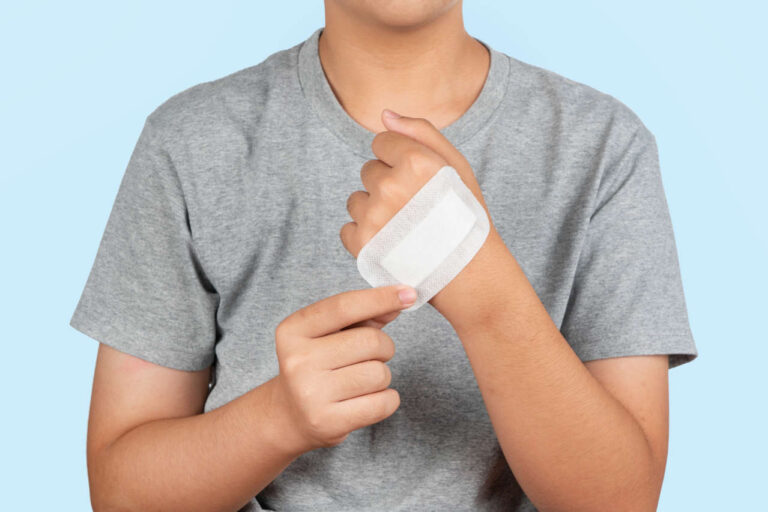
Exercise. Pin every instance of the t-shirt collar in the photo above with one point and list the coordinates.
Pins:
(323, 101)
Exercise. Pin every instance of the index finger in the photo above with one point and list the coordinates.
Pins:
(343, 309)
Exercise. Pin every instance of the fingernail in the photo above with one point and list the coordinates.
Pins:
(406, 294)
(390, 114)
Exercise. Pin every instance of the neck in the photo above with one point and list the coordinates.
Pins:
(434, 70)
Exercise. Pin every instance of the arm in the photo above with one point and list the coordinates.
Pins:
(150, 448)
(577, 436)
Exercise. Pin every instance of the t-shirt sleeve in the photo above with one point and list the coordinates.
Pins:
(627, 296)
(147, 294)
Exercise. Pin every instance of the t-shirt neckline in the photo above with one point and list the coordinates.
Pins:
(317, 90)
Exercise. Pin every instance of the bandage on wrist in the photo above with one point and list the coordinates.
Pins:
(429, 240)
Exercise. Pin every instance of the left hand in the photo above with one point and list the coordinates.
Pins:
(409, 152)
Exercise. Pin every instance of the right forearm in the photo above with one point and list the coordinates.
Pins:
(212, 461)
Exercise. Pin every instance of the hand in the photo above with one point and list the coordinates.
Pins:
(409, 152)
(333, 378)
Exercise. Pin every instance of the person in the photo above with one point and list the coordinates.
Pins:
(243, 362)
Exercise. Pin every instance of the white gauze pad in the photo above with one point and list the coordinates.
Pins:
(429, 240)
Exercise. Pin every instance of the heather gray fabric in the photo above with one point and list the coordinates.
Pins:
(227, 220)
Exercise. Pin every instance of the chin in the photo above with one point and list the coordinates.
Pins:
(398, 13)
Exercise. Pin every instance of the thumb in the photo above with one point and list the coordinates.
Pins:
(423, 131)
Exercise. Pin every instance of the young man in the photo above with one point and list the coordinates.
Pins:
(244, 362)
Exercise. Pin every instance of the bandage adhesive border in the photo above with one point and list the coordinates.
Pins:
(429, 240)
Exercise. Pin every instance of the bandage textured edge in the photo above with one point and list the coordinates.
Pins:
(416, 209)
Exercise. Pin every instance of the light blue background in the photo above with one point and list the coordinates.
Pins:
(79, 78)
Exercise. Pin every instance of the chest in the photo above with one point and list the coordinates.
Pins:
(268, 228)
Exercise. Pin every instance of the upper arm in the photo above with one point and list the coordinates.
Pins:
(129, 391)
(640, 384)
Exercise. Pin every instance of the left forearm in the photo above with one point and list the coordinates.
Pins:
(569, 442)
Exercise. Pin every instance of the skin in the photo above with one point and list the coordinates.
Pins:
(578, 436)
(150, 447)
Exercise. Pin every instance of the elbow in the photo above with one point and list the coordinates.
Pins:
(640, 494)
(104, 499)
(104, 488)
(104, 506)
(108, 498)
(638, 491)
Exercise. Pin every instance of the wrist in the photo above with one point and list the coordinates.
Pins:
(479, 291)
(280, 427)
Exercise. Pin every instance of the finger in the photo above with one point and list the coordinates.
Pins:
(361, 411)
(371, 172)
(395, 149)
(332, 313)
(352, 346)
(348, 236)
(423, 131)
(358, 379)
(356, 204)
(378, 322)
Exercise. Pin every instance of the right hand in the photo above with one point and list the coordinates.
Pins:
(333, 378)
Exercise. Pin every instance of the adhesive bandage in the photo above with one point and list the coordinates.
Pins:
(429, 240)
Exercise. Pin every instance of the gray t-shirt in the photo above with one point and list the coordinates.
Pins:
(227, 220)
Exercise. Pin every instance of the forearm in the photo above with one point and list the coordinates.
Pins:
(569, 442)
(213, 461)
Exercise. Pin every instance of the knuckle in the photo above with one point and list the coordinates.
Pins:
(300, 316)
(346, 234)
(307, 315)
(378, 216)
(315, 424)
(368, 166)
(331, 440)
(341, 305)
(423, 121)
(415, 159)
(394, 400)
(386, 376)
(293, 363)
(370, 339)
(281, 330)
(335, 441)
(368, 412)
(320, 429)
(387, 345)
(381, 407)
(379, 139)
(366, 173)
(359, 379)
(303, 315)
(388, 185)
(354, 197)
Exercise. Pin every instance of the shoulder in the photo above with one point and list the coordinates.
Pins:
(585, 111)
(209, 106)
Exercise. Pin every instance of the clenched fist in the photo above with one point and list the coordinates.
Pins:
(409, 153)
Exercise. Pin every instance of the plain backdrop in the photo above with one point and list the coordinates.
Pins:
(78, 79)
